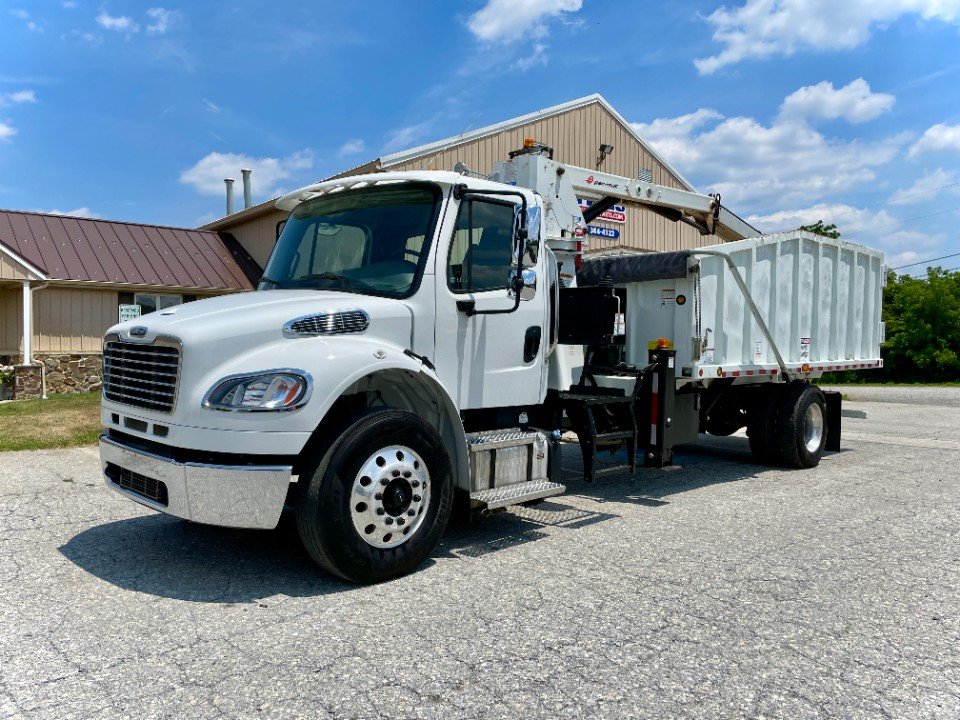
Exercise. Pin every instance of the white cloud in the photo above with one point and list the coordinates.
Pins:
(537, 57)
(405, 137)
(760, 167)
(854, 102)
(927, 188)
(7, 131)
(212, 106)
(352, 147)
(766, 28)
(69, 4)
(866, 226)
(17, 98)
(121, 23)
(510, 20)
(83, 212)
(207, 175)
(937, 138)
(161, 20)
(22, 14)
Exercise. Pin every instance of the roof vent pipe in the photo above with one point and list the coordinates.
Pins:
(247, 193)
(229, 183)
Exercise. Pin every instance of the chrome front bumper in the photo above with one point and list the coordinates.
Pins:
(232, 496)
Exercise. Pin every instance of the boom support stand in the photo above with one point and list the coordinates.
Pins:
(659, 400)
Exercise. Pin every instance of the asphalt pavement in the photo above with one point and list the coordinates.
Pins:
(720, 589)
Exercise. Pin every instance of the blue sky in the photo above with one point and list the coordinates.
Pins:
(793, 109)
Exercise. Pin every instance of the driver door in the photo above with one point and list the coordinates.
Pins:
(488, 361)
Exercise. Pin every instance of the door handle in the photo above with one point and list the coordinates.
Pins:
(531, 343)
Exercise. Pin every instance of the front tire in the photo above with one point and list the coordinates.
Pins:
(376, 503)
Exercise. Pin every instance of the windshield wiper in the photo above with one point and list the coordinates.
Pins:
(342, 279)
(265, 279)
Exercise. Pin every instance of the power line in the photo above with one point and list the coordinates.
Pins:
(893, 200)
(901, 222)
(919, 192)
(921, 262)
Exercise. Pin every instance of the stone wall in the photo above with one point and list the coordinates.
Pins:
(27, 382)
(69, 373)
(66, 373)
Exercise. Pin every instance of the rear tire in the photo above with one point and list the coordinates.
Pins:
(376, 503)
(801, 431)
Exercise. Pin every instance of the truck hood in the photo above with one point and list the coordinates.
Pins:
(233, 324)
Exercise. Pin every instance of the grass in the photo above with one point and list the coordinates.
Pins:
(58, 422)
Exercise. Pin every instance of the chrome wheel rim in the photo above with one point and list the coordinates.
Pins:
(390, 496)
(813, 427)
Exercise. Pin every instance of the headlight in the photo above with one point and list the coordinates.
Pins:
(273, 390)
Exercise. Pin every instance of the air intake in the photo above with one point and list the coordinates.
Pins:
(332, 323)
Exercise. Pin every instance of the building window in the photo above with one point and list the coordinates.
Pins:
(149, 302)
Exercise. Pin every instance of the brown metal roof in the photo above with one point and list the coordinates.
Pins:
(106, 251)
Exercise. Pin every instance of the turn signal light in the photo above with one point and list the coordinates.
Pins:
(529, 142)
(663, 344)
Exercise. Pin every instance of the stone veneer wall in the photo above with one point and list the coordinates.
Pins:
(66, 373)
(27, 382)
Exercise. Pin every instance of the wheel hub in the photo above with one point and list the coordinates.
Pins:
(813, 427)
(397, 497)
(390, 495)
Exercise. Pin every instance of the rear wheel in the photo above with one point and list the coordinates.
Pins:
(802, 426)
(376, 503)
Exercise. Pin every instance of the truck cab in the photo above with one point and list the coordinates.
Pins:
(398, 313)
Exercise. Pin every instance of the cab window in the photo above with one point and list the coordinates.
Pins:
(481, 251)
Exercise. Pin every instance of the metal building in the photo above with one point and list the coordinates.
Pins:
(575, 130)
(63, 281)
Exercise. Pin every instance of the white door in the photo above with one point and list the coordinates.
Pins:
(490, 360)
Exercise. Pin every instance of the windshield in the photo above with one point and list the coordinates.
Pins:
(371, 241)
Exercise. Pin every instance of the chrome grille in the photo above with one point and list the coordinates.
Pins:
(141, 375)
(140, 484)
(329, 323)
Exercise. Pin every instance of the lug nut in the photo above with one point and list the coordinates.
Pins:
(407, 473)
(400, 521)
(415, 483)
(384, 482)
(416, 498)
(411, 513)
(378, 496)
(380, 511)
(396, 473)
(389, 521)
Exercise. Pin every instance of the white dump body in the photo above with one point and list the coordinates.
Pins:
(819, 298)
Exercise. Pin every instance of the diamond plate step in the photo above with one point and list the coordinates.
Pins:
(515, 494)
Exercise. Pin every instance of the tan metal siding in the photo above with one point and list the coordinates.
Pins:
(10, 314)
(258, 235)
(10, 270)
(64, 319)
(576, 136)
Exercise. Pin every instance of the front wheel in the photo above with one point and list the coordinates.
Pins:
(377, 502)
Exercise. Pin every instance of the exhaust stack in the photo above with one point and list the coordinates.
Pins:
(247, 192)
(229, 183)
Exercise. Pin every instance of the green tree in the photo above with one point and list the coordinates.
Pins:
(819, 228)
(923, 327)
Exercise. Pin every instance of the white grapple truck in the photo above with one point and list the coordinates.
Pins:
(422, 339)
